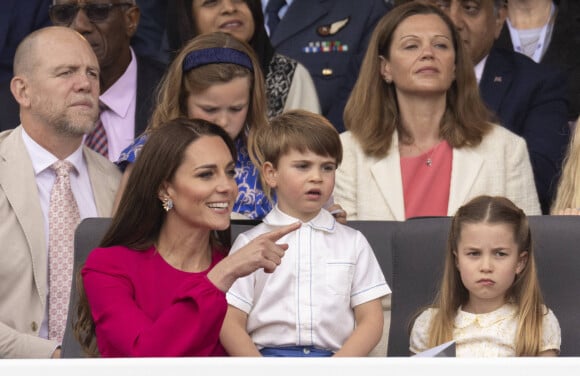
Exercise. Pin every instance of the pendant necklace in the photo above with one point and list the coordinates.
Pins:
(429, 160)
(430, 152)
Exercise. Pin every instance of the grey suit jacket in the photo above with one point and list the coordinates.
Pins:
(23, 256)
(372, 188)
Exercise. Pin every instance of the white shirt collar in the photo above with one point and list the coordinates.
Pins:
(324, 221)
(479, 68)
(43, 159)
(116, 97)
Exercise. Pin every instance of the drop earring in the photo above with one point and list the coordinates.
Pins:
(167, 204)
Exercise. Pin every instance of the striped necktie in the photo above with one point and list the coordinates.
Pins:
(272, 10)
(97, 139)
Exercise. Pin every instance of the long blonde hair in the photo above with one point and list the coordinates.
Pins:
(568, 193)
(372, 111)
(524, 293)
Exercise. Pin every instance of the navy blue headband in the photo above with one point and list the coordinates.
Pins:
(218, 55)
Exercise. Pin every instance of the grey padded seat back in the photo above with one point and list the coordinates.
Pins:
(418, 249)
(557, 245)
(380, 236)
(418, 255)
(411, 257)
(88, 235)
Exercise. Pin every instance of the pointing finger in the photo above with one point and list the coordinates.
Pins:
(277, 234)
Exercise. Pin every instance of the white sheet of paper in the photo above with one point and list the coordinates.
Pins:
(445, 349)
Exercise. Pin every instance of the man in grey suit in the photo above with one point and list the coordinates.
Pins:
(56, 85)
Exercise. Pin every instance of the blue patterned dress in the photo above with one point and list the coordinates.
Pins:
(251, 200)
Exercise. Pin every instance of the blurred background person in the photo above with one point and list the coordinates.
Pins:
(549, 33)
(150, 39)
(567, 199)
(17, 20)
(330, 38)
(128, 81)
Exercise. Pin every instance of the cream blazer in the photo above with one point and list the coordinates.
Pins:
(372, 189)
(23, 252)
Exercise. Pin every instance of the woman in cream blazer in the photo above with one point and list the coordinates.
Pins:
(371, 188)
(416, 94)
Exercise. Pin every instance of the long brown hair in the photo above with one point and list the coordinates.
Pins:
(372, 112)
(525, 291)
(176, 85)
(137, 222)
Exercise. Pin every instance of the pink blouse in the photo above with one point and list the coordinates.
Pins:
(426, 181)
(144, 307)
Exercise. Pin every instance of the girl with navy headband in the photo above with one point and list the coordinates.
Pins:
(217, 78)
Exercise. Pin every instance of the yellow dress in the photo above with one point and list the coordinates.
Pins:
(485, 335)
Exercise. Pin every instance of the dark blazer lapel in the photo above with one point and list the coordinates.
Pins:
(495, 80)
(504, 40)
(148, 76)
(559, 49)
(19, 185)
(300, 15)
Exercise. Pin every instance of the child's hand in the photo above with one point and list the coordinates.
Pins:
(261, 252)
(338, 213)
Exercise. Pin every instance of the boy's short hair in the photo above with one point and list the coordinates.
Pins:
(294, 130)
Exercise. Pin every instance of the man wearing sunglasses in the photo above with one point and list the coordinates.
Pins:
(128, 81)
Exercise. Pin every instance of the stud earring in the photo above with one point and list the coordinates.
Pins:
(167, 204)
(388, 80)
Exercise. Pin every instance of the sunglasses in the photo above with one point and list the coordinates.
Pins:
(64, 14)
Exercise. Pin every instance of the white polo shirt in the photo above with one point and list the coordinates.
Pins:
(327, 270)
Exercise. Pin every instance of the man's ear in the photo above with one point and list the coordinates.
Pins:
(19, 89)
(132, 16)
(270, 174)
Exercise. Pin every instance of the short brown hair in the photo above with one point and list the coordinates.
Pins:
(294, 130)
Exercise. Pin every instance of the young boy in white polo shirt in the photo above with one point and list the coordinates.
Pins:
(324, 298)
